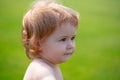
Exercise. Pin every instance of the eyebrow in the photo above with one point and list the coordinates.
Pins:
(67, 36)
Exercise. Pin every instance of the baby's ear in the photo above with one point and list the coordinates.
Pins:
(38, 43)
(35, 46)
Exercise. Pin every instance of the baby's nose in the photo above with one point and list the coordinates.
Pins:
(70, 45)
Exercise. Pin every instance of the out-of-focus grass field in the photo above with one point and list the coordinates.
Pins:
(97, 55)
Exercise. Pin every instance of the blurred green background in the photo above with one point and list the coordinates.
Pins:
(97, 55)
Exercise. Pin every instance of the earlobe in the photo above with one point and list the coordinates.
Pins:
(39, 46)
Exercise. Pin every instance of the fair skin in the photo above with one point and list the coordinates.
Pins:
(56, 48)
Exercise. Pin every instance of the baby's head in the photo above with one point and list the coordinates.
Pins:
(41, 21)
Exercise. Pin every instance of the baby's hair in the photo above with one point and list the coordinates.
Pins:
(41, 20)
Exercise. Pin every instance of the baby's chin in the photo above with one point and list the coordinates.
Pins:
(65, 59)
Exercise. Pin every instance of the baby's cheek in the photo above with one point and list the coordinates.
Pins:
(61, 48)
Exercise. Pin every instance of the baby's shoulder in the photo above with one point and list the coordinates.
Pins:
(37, 70)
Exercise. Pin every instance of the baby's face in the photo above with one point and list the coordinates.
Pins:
(59, 46)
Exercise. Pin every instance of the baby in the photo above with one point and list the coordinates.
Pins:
(48, 34)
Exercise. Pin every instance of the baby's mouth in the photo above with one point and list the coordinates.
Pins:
(70, 53)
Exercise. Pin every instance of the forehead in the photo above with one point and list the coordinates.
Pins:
(65, 29)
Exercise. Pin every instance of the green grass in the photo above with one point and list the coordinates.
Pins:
(97, 55)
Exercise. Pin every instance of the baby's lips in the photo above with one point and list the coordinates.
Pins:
(68, 53)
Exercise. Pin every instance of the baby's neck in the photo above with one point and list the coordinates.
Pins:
(47, 62)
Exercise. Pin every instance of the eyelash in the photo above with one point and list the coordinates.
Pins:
(72, 38)
(64, 39)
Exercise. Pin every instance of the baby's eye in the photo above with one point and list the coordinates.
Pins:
(63, 39)
(72, 38)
